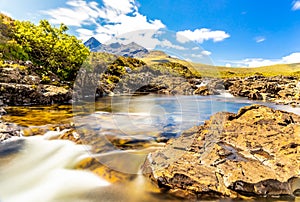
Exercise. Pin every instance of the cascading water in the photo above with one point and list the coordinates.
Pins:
(37, 169)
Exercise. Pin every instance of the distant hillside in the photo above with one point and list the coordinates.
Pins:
(156, 57)
(129, 50)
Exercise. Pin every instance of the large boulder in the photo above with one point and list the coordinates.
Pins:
(254, 153)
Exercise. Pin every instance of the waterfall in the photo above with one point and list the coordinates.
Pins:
(35, 169)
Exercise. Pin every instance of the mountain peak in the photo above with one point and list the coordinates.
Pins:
(129, 50)
(92, 43)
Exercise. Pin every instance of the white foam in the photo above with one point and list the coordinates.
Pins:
(225, 95)
(43, 171)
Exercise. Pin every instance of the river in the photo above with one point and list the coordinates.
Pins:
(122, 130)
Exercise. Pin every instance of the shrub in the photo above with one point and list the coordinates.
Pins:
(42, 44)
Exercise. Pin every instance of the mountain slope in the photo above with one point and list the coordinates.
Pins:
(205, 70)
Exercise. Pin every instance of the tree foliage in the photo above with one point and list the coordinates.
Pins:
(51, 47)
(45, 45)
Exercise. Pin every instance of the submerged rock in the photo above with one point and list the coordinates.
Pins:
(255, 152)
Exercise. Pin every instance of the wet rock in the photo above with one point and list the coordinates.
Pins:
(8, 130)
(2, 111)
(255, 152)
(204, 90)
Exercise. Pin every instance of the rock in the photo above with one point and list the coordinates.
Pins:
(255, 152)
(279, 88)
(255, 95)
(227, 83)
(2, 111)
(20, 85)
(8, 130)
(22, 94)
(149, 82)
(204, 90)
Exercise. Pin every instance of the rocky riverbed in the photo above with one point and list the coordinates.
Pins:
(254, 153)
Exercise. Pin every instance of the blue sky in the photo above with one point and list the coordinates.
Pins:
(231, 32)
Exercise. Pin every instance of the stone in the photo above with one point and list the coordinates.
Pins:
(8, 130)
(204, 90)
(254, 153)
(284, 89)
(20, 85)
(2, 111)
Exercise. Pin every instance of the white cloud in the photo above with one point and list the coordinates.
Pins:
(228, 65)
(203, 53)
(259, 62)
(260, 39)
(196, 55)
(201, 35)
(196, 48)
(120, 6)
(84, 33)
(168, 44)
(79, 13)
(292, 58)
(296, 5)
(206, 53)
(113, 18)
(142, 37)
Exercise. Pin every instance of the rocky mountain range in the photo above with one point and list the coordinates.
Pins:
(128, 50)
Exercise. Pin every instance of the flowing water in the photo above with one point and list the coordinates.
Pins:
(118, 132)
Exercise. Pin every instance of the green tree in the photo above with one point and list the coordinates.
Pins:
(50, 47)
(9, 49)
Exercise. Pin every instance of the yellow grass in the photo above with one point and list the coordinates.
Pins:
(156, 57)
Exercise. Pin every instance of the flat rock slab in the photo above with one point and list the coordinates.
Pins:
(254, 153)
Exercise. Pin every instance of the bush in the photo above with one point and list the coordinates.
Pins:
(42, 44)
